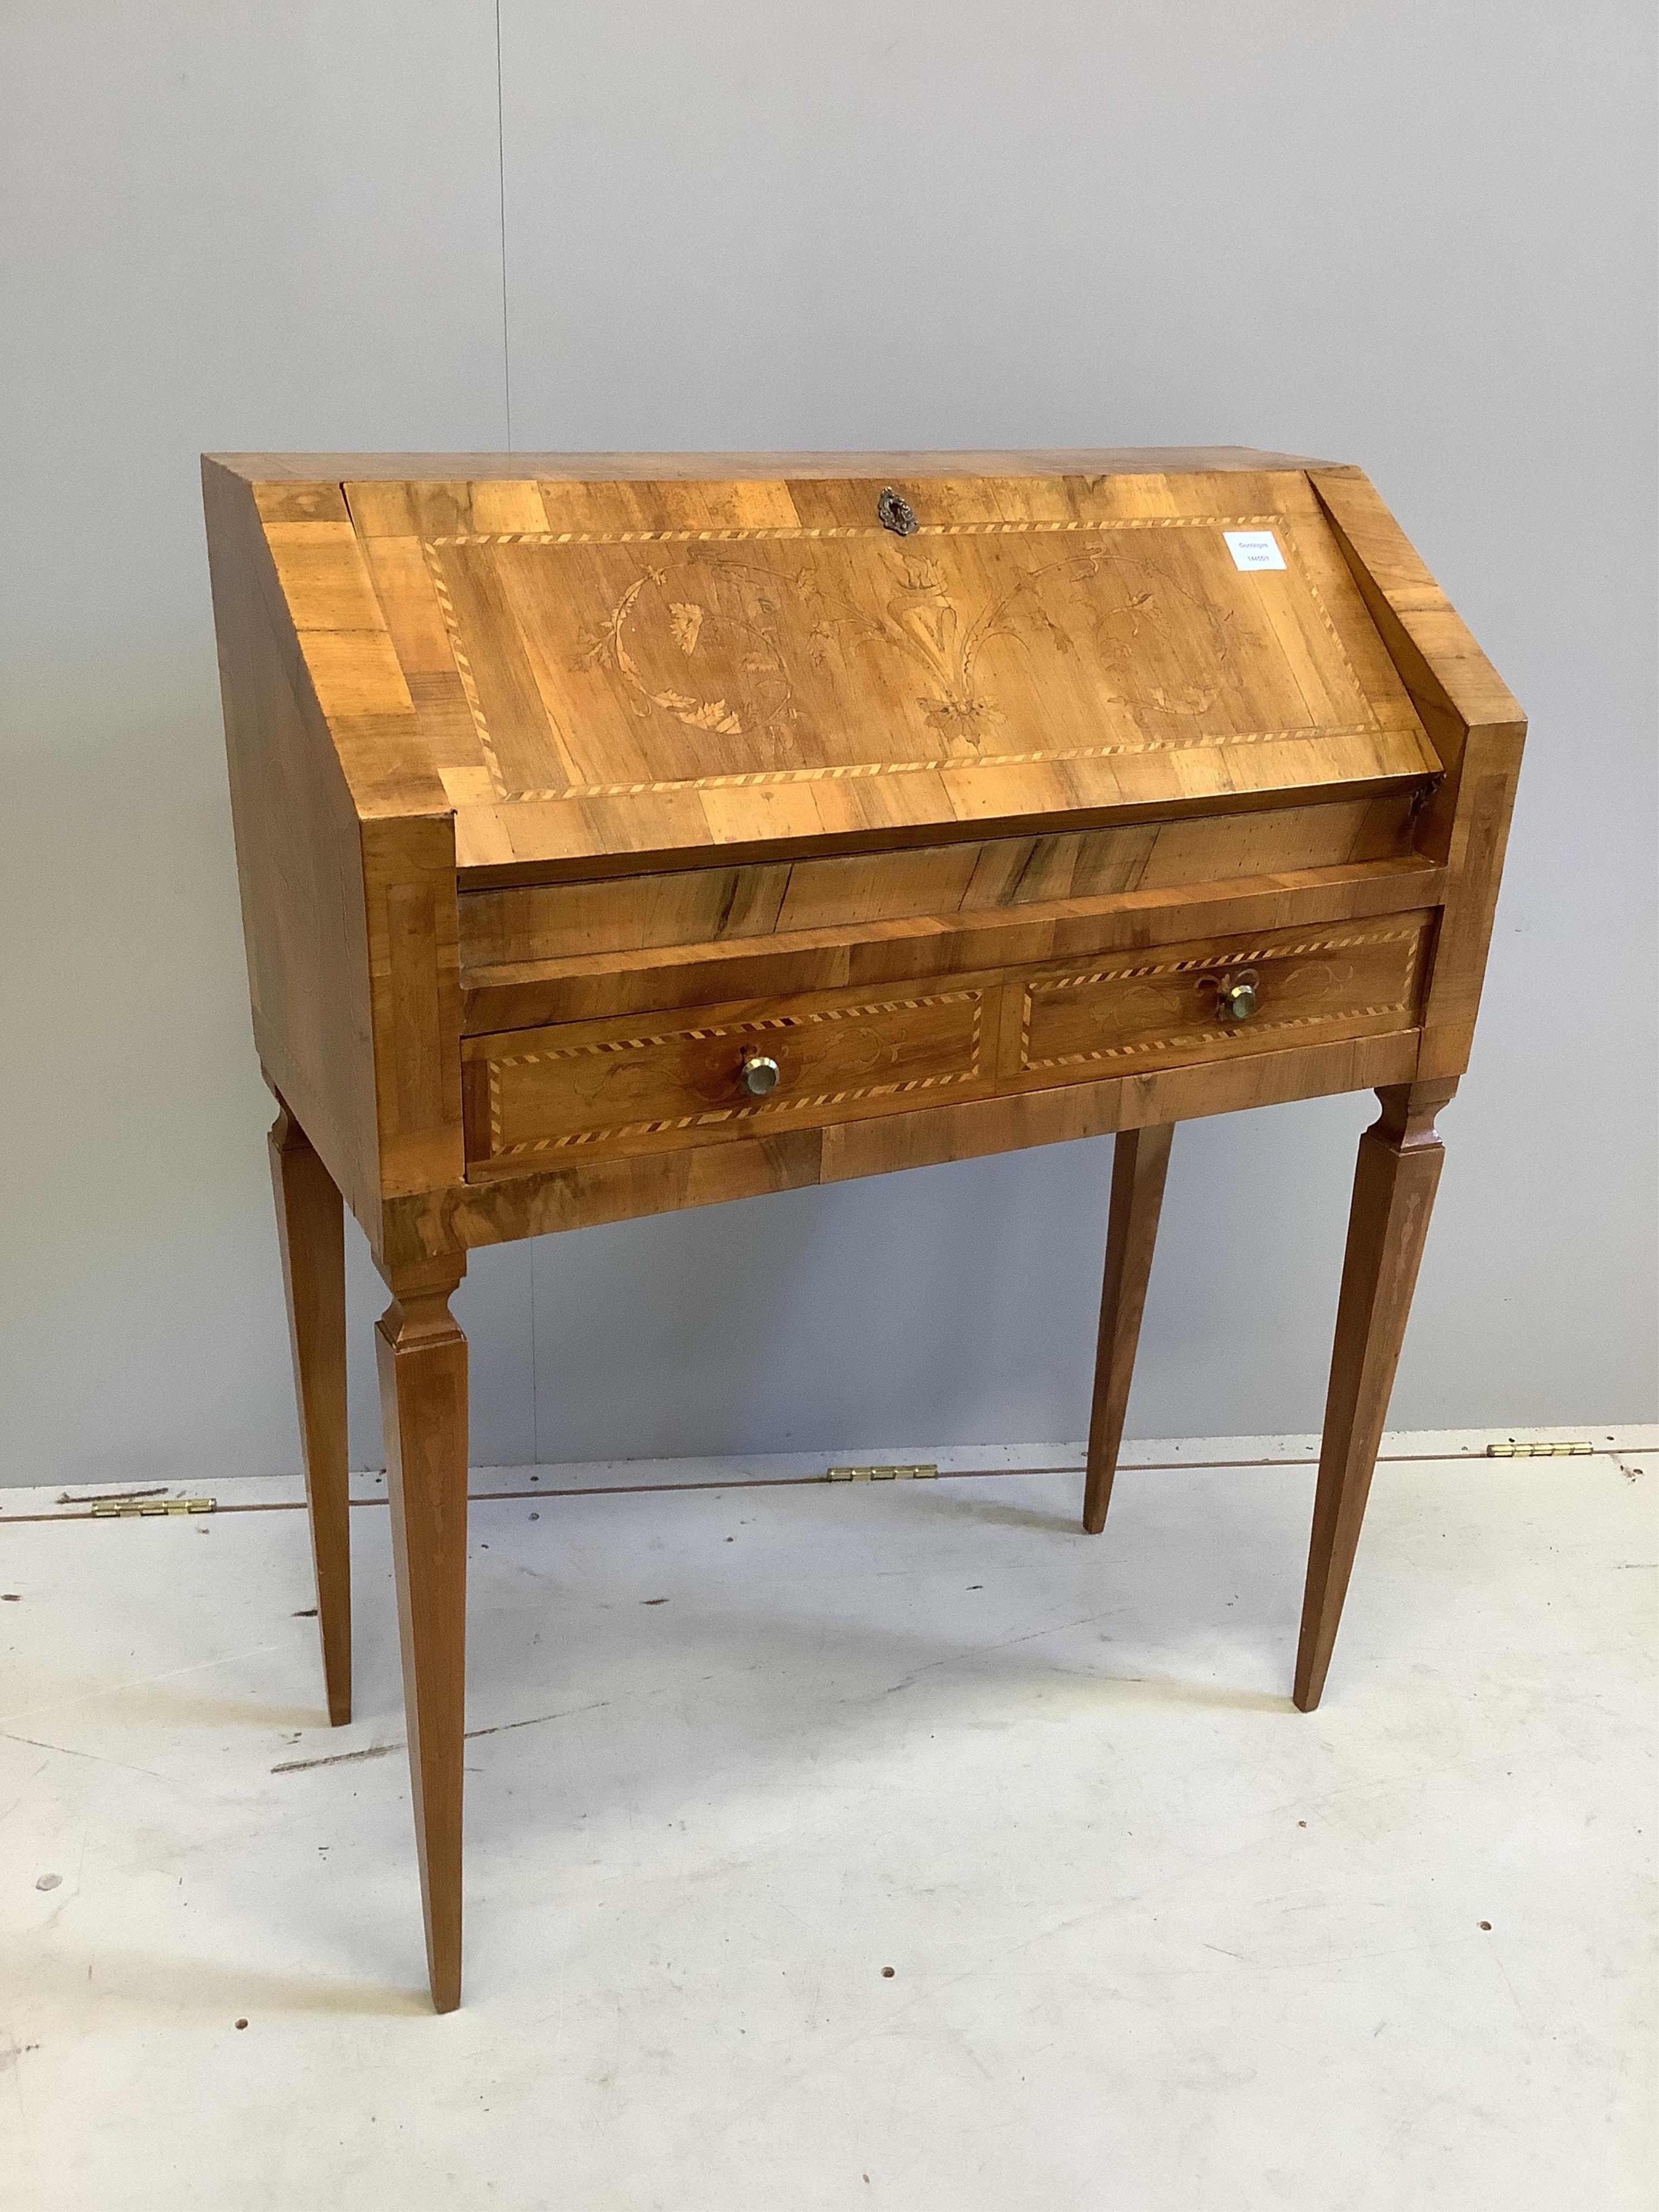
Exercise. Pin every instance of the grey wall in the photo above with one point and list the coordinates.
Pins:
(1415, 236)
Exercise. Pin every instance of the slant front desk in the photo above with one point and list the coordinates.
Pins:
(623, 833)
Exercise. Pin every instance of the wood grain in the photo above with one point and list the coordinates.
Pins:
(423, 1368)
(286, 477)
(1140, 1162)
(346, 853)
(1479, 732)
(609, 1086)
(299, 858)
(562, 782)
(586, 986)
(602, 664)
(601, 1087)
(973, 876)
(311, 1231)
(610, 673)
(1394, 1184)
(545, 1199)
(1156, 1009)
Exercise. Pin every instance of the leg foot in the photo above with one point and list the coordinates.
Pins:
(1140, 1161)
(311, 1228)
(423, 1362)
(1399, 1167)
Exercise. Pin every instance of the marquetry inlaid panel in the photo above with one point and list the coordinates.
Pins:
(639, 670)
(540, 1098)
(594, 666)
(1120, 1016)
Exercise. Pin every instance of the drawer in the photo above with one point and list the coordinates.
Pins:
(538, 1098)
(1095, 1020)
(533, 954)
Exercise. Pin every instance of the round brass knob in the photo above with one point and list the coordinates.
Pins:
(760, 1073)
(1235, 996)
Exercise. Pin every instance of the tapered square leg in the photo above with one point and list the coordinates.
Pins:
(311, 1229)
(422, 1364)
(1140, 1162)
(1395, 1183)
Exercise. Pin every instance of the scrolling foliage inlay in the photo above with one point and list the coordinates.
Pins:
(600, 665)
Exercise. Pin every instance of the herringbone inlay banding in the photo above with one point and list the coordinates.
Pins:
(1341, 1009)
(772, 1106)
(934, 626)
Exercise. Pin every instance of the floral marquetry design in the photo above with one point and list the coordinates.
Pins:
(693, 659)
(714, 661)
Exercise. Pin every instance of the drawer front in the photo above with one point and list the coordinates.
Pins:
(1094, 1020)
(704, 907)
(538, 1098)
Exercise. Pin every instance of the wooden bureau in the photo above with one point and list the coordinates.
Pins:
(623, 833)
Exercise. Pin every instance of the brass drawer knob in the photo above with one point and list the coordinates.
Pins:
(760, 1073)
(1235, 996)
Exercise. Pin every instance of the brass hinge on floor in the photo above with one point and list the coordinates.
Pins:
(1540, 1451)
(923, 1472)
(144, 1509)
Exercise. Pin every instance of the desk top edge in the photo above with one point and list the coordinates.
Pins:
(690, 467)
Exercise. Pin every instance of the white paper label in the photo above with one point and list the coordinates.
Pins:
(1253, 549)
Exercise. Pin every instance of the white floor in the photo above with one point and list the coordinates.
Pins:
(1156, 1941)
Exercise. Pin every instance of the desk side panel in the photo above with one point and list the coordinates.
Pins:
(416, 995)
(353, 680)
(1476, 725)
(299, 857)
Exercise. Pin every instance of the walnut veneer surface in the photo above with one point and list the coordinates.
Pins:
(622, 833)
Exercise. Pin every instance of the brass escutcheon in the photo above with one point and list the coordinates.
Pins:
(1235, 995)
(895, 513)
